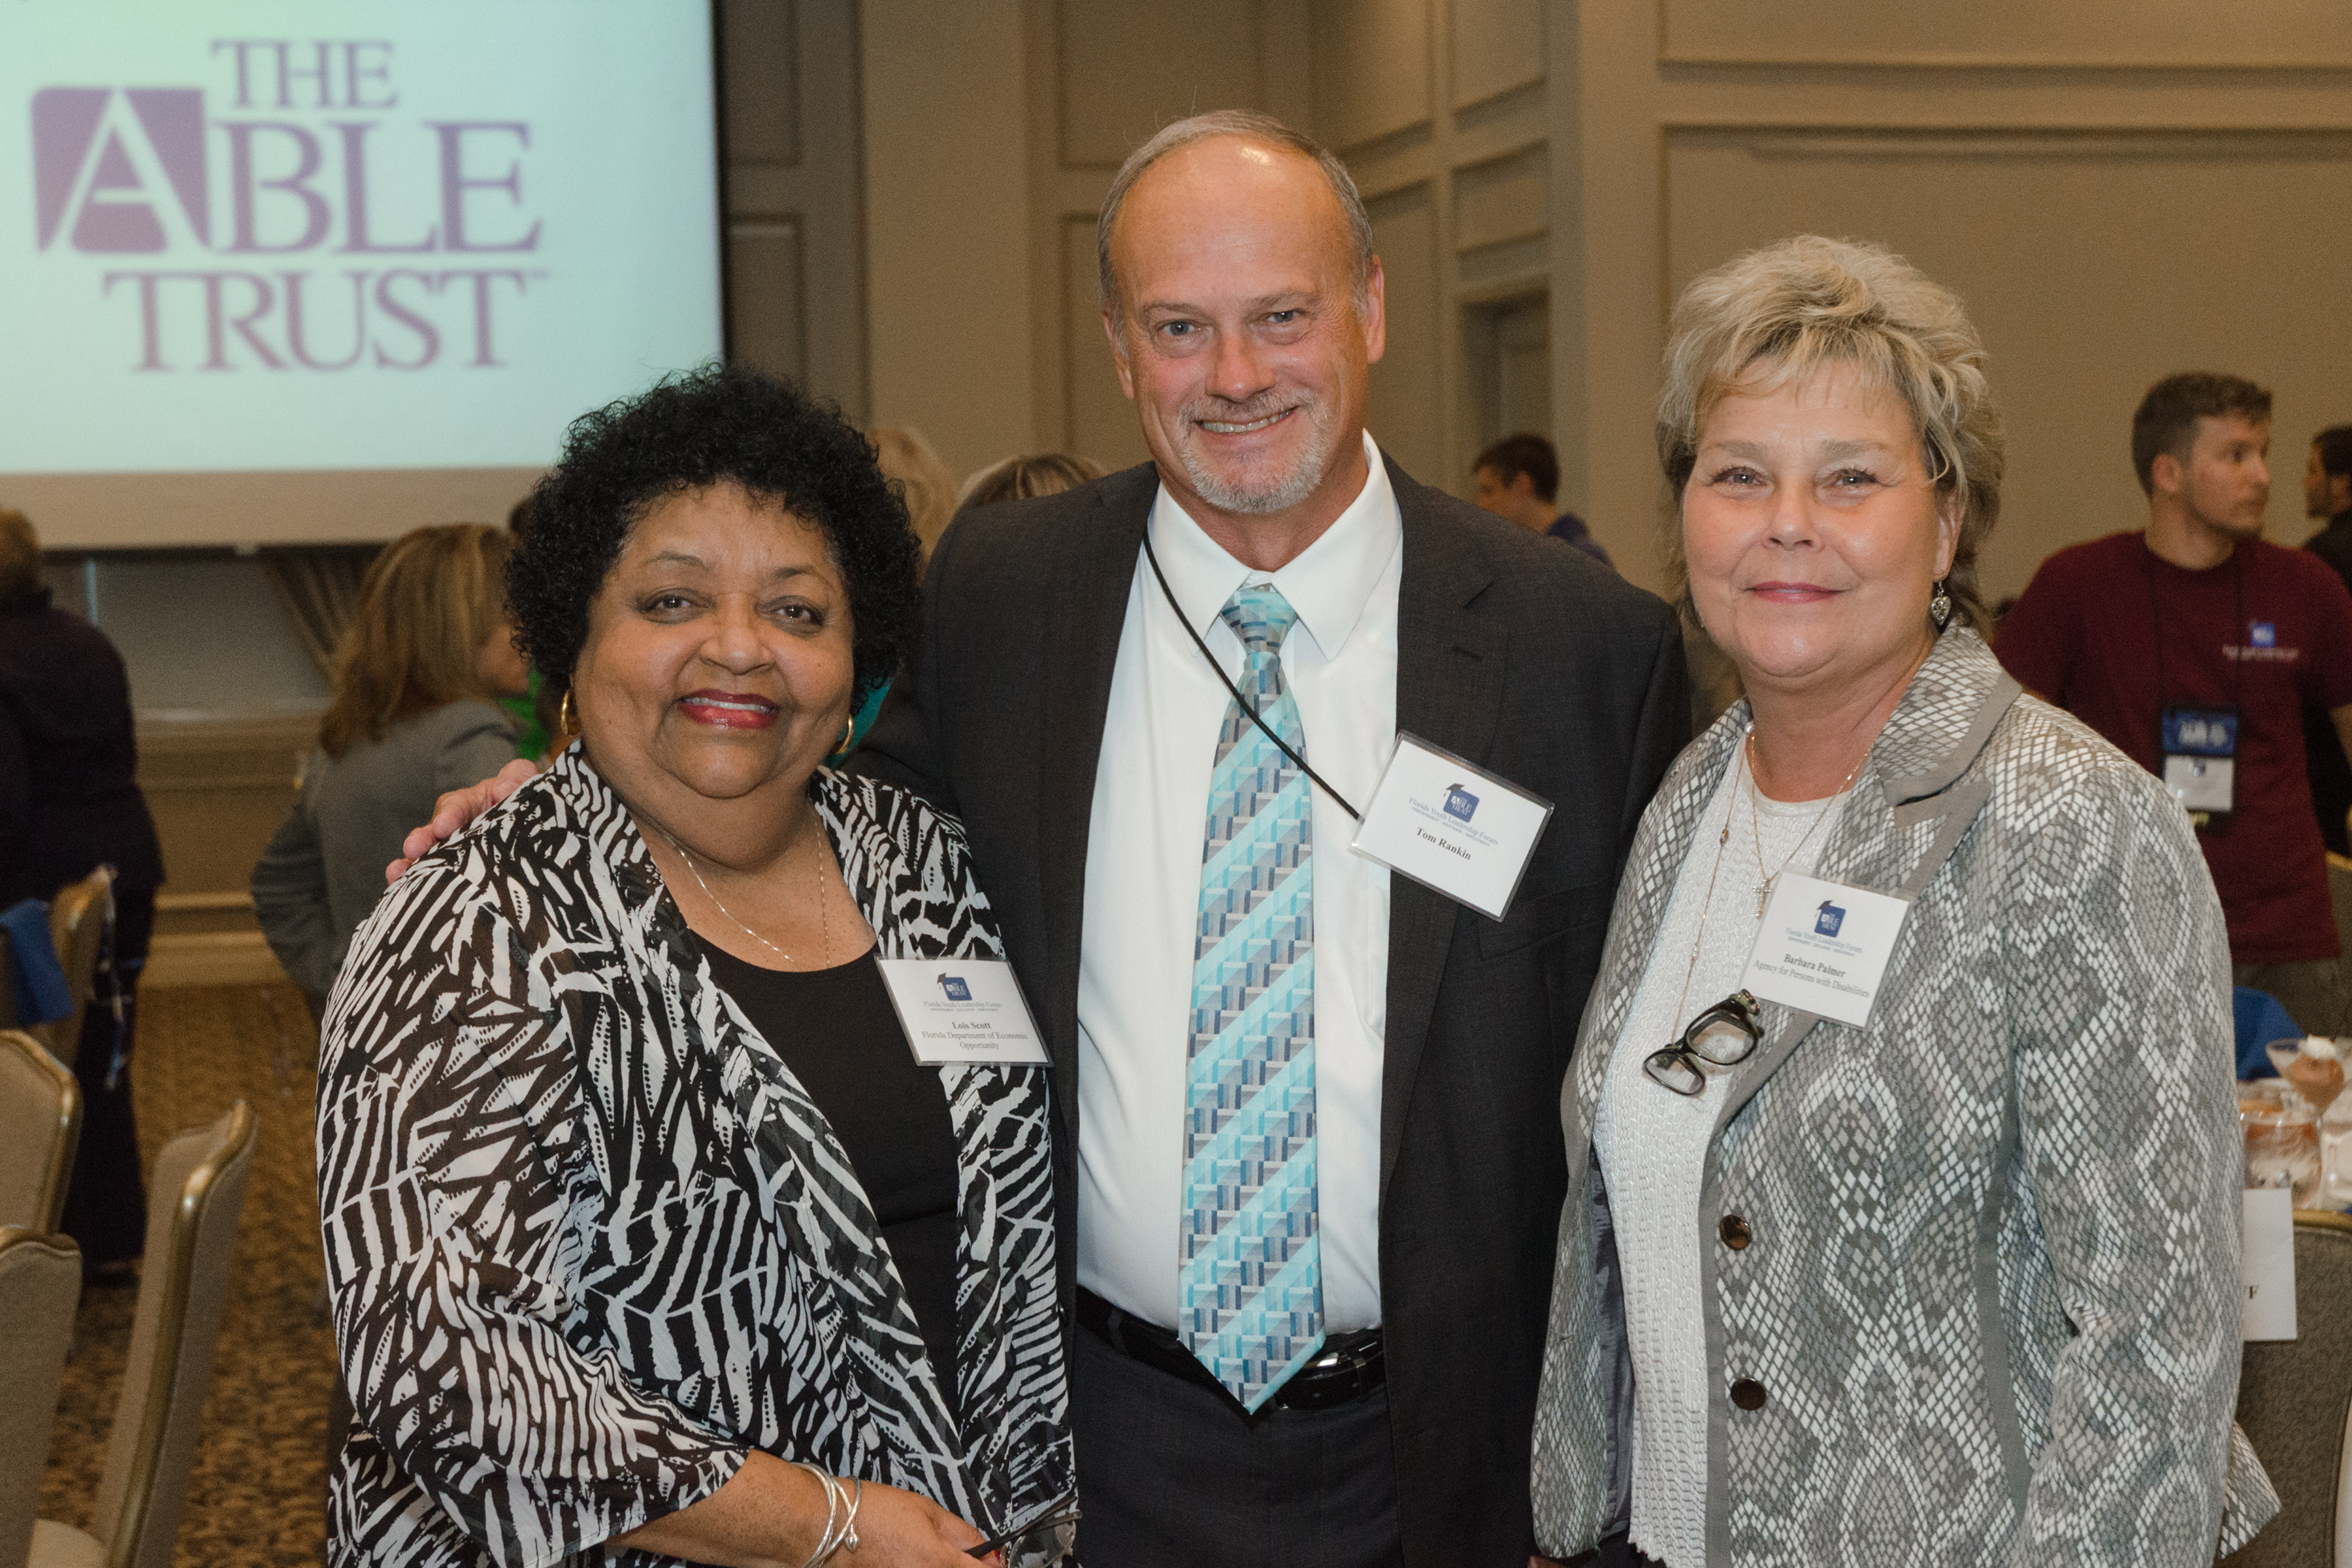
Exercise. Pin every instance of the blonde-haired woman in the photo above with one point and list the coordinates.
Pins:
(1955, 1283)
(417, 677)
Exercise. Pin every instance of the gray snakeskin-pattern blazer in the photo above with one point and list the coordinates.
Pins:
(1989, 1285)
(590, 1242)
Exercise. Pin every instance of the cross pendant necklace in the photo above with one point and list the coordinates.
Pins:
(1756, 832)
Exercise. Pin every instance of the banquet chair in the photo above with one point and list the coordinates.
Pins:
(193, 1197)
(40, 1122)
(77, 920)
(40, 1282)
(2293, 1399)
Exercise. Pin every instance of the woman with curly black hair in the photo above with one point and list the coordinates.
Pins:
(646, 1229)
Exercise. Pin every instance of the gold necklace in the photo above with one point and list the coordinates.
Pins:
(825, 911)
(1756, 832)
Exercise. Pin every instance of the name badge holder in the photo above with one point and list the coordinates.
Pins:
(963, 1012)
(1451, 825)
(1825, 947)
(2199, 742)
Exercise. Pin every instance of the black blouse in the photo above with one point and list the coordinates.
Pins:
(836, 1030)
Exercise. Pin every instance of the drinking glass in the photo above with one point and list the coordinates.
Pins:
(2281, 1139)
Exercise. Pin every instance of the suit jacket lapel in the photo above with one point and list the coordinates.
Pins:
(1450, 662)
(1085, 584)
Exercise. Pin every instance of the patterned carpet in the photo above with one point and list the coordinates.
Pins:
(257, 1495)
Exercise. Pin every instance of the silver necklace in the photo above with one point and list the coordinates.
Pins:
(824, 912)
(1756, 832)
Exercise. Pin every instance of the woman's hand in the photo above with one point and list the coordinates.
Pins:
(896, 1527)
(458, 807)
(772, 1513)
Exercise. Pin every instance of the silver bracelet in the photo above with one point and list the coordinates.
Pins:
(849, 1530)
(827, 1543)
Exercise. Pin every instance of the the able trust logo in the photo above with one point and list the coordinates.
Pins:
(309, 160)
(1460, 803)
(956, 989)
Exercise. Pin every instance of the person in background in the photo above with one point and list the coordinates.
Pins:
(1953, 1281)
(2195, 646)
(1021, 478)
(907, 458)
(533, 712)
(2327, 499)
(1518, 480)
(704, 1263)
(70, 802)
(419, 679)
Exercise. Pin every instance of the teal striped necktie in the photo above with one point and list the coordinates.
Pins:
(1252, 1281)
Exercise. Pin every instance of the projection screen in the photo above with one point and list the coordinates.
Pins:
(276, 271)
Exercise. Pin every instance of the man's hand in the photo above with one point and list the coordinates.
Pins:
(458, 807)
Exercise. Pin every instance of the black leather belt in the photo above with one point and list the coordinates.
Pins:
(1348, 1366)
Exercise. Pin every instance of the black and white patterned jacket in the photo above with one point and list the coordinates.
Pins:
(590, 1243)
(1986, 1284)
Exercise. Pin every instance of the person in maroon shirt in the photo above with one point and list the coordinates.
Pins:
(2194, 646)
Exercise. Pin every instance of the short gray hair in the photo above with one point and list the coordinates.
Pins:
(1777, 315)
(1255, 127)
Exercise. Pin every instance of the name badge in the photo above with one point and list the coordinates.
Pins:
(1451, 825)
(2266, 1266)
(2200, 759)
(958, 1011)
(1825, 947)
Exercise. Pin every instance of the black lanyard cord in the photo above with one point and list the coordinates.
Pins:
(2156, 623)
(1241, 701)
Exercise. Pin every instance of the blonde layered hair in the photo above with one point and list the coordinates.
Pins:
(20, 553)
(1779, 315)
(429, 604)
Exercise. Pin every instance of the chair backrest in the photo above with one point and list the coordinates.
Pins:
(40, 1123)
(2294, 1397)
(40, 1283)
(192, 1212)
(78, 918)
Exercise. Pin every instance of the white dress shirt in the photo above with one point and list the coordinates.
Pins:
(1143, 893)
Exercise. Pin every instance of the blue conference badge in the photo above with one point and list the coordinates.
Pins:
(956, 989)
(1827, 921)
(1460, 803)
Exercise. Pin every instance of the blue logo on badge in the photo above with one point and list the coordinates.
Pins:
(1830, 917)
(1460, 803)
(956, 989)
(2263, 634)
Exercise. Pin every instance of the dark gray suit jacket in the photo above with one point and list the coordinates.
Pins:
(1515, 651)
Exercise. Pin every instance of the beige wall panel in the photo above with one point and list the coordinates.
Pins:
(761, 79)
(1503, 200)
(767, 295)
(2282, 32)
(1372, 68)
(2092, 265)
(1405, 416)
(1099, 419)
(1496, 45)
(947, 214)
(1126, 68)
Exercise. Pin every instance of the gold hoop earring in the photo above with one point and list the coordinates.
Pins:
(848, 734)
(565, 720)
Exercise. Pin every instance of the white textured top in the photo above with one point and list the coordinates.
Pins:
(1143, 894)
(1651, 1146)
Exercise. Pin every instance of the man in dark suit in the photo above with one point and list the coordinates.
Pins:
(1083, 716)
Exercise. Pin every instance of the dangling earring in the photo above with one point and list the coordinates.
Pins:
(565, 720)
(1940, 608)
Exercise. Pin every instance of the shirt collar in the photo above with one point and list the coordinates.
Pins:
(1329, 584)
